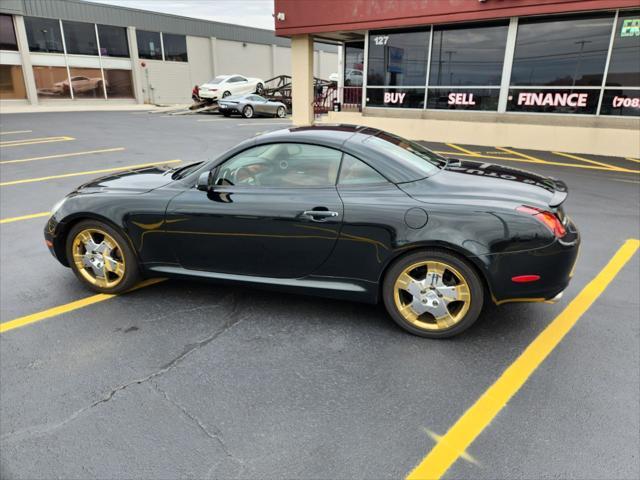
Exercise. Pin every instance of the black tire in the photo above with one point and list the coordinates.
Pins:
(259, 89)
(131, 272)
(225, 94)
(472, 279)
(282, 112)
(247, 112)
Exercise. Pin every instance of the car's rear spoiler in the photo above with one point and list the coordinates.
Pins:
(560, 193)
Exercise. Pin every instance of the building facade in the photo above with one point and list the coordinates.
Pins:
(71, 50)
(553, 74)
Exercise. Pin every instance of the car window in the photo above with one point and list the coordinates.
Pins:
(422, 161)
(218, 79)
(355, 172)
(281, 165)
(236, 79)
(258, 98)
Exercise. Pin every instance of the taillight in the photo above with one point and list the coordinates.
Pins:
(549, 219)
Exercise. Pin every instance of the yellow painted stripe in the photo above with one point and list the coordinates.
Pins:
(34, 141)
(524, 160)
(632, 159)
(25, 217)
(68, 307)
(15, 132)
(88, 172)
(523, 155)
(455, 442)
(463, 150)
(63, 155)
(587, 160)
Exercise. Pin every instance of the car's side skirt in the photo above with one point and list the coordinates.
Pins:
(334, 287)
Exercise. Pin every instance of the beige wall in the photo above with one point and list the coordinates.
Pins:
(623, 142)
(252, 61)
(283, 61)
(200, 68)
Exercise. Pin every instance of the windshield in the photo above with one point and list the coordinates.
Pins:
(419, 159)
(218, 79)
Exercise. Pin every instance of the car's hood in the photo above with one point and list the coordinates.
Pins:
(464, 181)
(135, 180)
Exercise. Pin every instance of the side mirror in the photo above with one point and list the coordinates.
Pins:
(204, 181)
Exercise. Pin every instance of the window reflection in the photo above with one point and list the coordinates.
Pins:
(43, 35)
(52, 82)
(175, 47)
(149, 46)
(624, 66)
(11, 82)
(113, 41)
(353, 64)
(80, 38)
(7, 33)
(87, 83)
(561, 51)
(398, 58)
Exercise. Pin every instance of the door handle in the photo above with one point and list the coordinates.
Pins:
(319, 215)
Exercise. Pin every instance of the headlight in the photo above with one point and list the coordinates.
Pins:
(57, 205)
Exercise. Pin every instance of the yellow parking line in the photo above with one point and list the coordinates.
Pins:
(68, 307)
(463, 150)
(455, 442)
(524, 160)
(593, 162)
(62, 155)
(523, 155)
(632, 159)
(88, 172)
(34, 141)
(25, 217)
(16, 131)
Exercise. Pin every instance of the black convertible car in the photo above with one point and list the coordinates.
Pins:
(341, 211)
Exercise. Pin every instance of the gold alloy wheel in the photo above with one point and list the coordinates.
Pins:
(432, 295)
(98, 258)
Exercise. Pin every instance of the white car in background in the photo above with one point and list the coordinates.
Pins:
(225, 85)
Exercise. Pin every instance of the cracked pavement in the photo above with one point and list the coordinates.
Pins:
(201, 380)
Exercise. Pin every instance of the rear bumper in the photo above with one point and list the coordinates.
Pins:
(554, 264)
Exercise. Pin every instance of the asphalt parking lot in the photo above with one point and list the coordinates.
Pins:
(191, 380)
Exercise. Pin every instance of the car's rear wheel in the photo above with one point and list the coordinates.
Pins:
(259, 89)
(247, 112)
(101, 258)
(226, 94)
(282, 112)
(433, 294)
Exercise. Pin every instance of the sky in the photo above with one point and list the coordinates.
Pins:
(251, 13)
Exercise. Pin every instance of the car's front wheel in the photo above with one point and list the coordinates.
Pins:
(247, 112)
(101, 257)
(226, 94)
(433, 294)
(259, 89)
(282, 112)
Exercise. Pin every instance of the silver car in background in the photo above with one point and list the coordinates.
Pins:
(251, 105)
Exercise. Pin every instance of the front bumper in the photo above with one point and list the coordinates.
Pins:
(53, 240)
(554, 264)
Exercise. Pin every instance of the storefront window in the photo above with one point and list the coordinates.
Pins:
(87, 83)
(52, 82)
(149, 46)
(113, 41)
(395, 97)
(175, 47)
(576, 101)
(463, 56)
(11, 82)
(353, 64)
(80, 38)
(43, 35)
(398, 58)
(463, 99)
(624, 66)
(561, 51)
(119, 84)
(7, 33)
